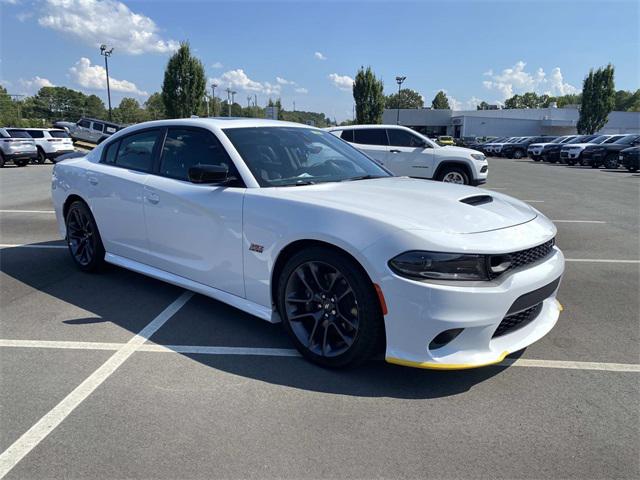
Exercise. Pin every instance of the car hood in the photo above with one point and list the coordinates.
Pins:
(460, 150)
(413, 204)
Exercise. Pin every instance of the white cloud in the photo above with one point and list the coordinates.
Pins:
(517, 80)
(302, 90)
(34, 84)
(94, 77)
(24, 16)
(343, 82)
(319, 56)
(284, 81)
(217, 65)
(240, 80)
(107, 21)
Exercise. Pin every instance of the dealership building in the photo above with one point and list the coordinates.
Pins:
(506, 122)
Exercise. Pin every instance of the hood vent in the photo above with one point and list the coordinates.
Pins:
(477, 200)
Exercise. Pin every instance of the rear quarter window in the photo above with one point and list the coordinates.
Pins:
(58, 134)
(347, 135)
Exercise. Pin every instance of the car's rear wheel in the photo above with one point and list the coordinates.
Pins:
(453, 175)
(42, 158)
(83, 238)
(518, 154)
(611, 161)
(329, 308)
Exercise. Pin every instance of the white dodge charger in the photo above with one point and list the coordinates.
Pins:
(292, 224)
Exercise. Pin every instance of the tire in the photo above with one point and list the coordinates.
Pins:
(594, 164)
(518, 154)
(453, 174)
(571, 162)
(536, 159)
(83, 238)
(1, 160)
(42, 157)
(23, 162)
(611, 161)
(319, 330)
(632, 169)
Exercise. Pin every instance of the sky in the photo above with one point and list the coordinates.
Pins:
(308, 52)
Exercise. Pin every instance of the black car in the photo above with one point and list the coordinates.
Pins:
(519, 149)
(630, 158)
(607, 153)
(551, 151)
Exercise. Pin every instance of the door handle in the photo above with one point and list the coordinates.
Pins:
(153, 198)
(93, 180)
(395, 151)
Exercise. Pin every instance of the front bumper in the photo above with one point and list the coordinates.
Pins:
(420, 311)
(58, 153)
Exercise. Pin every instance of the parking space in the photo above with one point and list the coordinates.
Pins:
(207, 391)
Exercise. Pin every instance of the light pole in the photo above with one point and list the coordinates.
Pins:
(228, 90)
(399, 81)
(106, 54)
(213, 97)
(233, 99)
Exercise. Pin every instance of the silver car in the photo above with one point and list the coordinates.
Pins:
(93, 131)
(16, 146)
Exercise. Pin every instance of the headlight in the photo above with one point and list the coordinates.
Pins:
(477, 156)
(440, 266)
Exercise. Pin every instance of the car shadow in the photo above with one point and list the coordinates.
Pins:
(204, 321)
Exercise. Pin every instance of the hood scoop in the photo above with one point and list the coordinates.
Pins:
(477, 200)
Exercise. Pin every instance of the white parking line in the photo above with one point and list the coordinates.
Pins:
(600, 260)
(578, 221)
(23, 245)
(288, 352)
(533, 201)
(27, 211)
(32, 437)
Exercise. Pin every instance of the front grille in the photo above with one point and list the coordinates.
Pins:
(522, 258)
(513, 322)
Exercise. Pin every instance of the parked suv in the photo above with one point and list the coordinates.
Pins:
(407, 153)
(93, 131)
(630, 158)
(572, 153)
(535, 150)
(518, 149)
(607, 153)
(551, 151)
(51, 143)
(16, 146)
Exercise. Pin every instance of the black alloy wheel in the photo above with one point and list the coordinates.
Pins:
(329, 308)
(42, 158)
(611, 161)
(83, 238)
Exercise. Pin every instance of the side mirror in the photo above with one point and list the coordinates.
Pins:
(208, 174)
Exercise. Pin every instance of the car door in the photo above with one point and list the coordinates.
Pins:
(115, 187)
(83, 130)
(96, 131)
(409, 155)
(195, 230)
(373, 142)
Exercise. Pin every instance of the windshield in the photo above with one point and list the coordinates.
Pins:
(600, 139)
(627, 140)
(286, 156)
(560, 140)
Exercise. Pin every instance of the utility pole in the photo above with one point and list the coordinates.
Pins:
(213, 96)
(399, 81)
(249, 101)
(233, 99)
(255, 99)
(294, 105)
(106, 54)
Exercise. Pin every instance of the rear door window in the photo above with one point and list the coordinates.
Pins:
(136, 151)
(36, 133)
(84, 123)
(370, 136)
(97, 126)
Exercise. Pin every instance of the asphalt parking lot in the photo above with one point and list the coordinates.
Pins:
(120, 376)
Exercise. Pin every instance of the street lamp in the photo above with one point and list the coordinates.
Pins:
(228, 90)
(233, 98)
(106, 54)
(213, 97)
(399, 81)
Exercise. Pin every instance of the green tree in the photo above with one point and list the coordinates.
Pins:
(128, 111)
(530, 100)
(8, 109)
(407, 98)
(482, 106)
(440, 101)
(369, 97)
(94, 107)
(598, 100)
(184, 84)
(155, 106)
(514, 102)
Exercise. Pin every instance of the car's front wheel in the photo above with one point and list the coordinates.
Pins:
(454, 175)
(611, 161)
(83, 238)
(518, 154)
(42, 157)
(329, 307)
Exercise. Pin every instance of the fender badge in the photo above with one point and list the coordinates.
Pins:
(256, 248)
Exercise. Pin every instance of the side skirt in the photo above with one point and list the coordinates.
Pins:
(240, 303)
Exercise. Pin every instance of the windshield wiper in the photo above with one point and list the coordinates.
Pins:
(361, 177)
